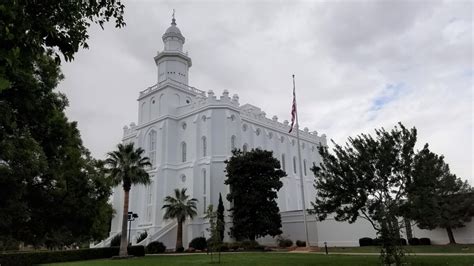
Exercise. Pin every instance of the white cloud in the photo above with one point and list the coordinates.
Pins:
(344, 54)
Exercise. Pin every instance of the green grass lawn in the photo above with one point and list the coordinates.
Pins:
(459, 248)
(274, 259)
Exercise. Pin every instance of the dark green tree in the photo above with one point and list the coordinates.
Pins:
(220, 218)
(179, 207)
(126, 166)
(42, 160)
(29, 29)
(254, 180)
(367, 179)
(43, 164)
(437, 198)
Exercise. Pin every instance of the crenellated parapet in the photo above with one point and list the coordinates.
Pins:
(129, 131)
(211, 100)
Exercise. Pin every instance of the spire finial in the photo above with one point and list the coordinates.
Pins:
(173, 21)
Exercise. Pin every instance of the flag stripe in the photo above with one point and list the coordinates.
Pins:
(293, 111)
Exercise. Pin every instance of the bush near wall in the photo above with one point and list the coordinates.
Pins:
(155, 247)
(414, 241)
(33, 258)
(300, 243)
(198, 243)
(425, 241)
(366, 241)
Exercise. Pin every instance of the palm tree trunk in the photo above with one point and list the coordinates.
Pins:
(450, 235)
(179, 237)
(123, 240)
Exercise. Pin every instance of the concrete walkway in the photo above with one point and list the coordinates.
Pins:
(313, 252)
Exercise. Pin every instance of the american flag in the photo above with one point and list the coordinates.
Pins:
(293, 107)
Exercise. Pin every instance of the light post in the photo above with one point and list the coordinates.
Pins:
(131, 217)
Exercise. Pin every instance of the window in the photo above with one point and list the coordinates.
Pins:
(204, 181)
(294, 164)
(304, 167)
(183, 151)
(183, 125)
(149, 200)
(232, 142)
(282, 139)
(204, 146)
(204, 190)
(183, 178)
(244, 127)
(245, 147)
(270, 135)
(257, 132)
(152, 147)
(283, 165)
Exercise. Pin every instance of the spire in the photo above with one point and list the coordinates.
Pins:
(173, 21)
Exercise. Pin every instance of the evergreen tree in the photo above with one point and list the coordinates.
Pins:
(220, 218)
(437, 198)
(254, 180)
(367, 179)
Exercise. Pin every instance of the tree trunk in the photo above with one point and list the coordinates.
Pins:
(179, 237)
(123, 240)
(408, 229)
(450, 235)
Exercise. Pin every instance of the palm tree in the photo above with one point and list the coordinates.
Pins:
(126, 166)
(179, 208)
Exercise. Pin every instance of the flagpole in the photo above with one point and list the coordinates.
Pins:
(300, 166)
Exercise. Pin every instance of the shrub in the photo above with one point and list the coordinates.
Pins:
(33, 258)
(251, 245)
(155, 247)
(284, 242)
(179, 250)
(137, 251)
(224, 247)
(300, 243)
(198, 243)
(403, 241)
(235, 245)
(142, 236)
(425, 241)
(366, 241)
(376, 242)
(115, 242)
(414, 241)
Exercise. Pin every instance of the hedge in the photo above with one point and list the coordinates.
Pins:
(155, 247)
(425, 241)
(414, 241)
(366, 241)
(32, 258)
(198, 243)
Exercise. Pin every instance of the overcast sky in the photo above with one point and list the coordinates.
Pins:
(359, 65)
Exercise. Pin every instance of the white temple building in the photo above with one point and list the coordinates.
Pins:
(188, 134)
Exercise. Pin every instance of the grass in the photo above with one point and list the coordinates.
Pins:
(459, 248)
(274, 259)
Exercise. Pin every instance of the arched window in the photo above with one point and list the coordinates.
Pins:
(283, 164)
(204, 190)
(304, 167)
(152, 147)
(183, 151)
(294, 164)
(204, 146)
(232, 142)
(245, 148)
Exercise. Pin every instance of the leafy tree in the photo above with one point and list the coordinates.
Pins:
(179, 207)
(43, 163)
(220, 218)
(367, 179)
(127, 167)
(29, 29)
(42, 160)
(254, 180)
(437, 198)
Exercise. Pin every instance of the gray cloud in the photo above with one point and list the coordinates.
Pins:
(345, 55)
